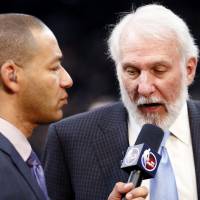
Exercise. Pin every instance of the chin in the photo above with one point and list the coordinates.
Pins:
(52, 118)
(163, 121)
(57, 117)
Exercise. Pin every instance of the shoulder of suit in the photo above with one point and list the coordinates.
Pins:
(194, 106)
(93, 115)
(193, 103)
(5, 161)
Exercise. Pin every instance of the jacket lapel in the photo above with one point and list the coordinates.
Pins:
(22, 167)
(194, 118)
(111, 143)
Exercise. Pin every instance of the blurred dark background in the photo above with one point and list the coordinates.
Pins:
(82, 28)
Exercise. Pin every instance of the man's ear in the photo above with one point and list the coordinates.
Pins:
(9, 72)
(191, 70)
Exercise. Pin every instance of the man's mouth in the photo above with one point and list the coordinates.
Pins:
(146, 105)
(150, 107)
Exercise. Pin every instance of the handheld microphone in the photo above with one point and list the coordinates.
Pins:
(142, 159)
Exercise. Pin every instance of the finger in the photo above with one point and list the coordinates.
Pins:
(119, 189)
(140, 192)
(139, 198)
(123, 187)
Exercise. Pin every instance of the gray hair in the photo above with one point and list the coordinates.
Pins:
(153, 22)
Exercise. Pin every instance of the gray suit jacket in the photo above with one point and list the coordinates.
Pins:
(16, 181)
(83, 153)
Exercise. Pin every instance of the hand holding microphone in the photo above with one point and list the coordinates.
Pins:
(142, 159)
(128, 189)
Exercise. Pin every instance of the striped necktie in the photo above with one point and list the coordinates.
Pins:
(37, 171)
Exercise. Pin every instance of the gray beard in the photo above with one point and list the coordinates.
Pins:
(165, 122)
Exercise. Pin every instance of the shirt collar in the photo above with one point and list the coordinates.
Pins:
(16, 138)
(180, 128)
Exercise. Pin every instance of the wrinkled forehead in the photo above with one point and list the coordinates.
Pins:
(132, 40)
(134, 32)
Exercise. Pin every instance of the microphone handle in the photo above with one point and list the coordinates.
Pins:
(135, 177)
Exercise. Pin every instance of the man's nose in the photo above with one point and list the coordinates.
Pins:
(146, 85)
(66, 80)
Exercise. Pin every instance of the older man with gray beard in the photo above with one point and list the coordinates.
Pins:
(156, 58)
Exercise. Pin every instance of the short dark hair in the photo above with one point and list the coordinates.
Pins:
(17, 42)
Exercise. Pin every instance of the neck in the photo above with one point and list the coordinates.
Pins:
(12, 112)
(16, 120)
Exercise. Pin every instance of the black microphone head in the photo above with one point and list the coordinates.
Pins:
(151, 135)
(143, 156)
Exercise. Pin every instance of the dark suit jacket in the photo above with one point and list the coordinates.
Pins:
(16, 181)
(83, 153)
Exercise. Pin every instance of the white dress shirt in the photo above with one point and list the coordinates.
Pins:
(179, 147)
(16, 138)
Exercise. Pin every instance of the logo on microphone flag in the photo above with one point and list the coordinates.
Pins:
(141, 157)
(148, 160)
(131, 156)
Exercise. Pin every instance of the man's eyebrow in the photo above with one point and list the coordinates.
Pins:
(57, 58)
(129, 64)
(153, 63)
